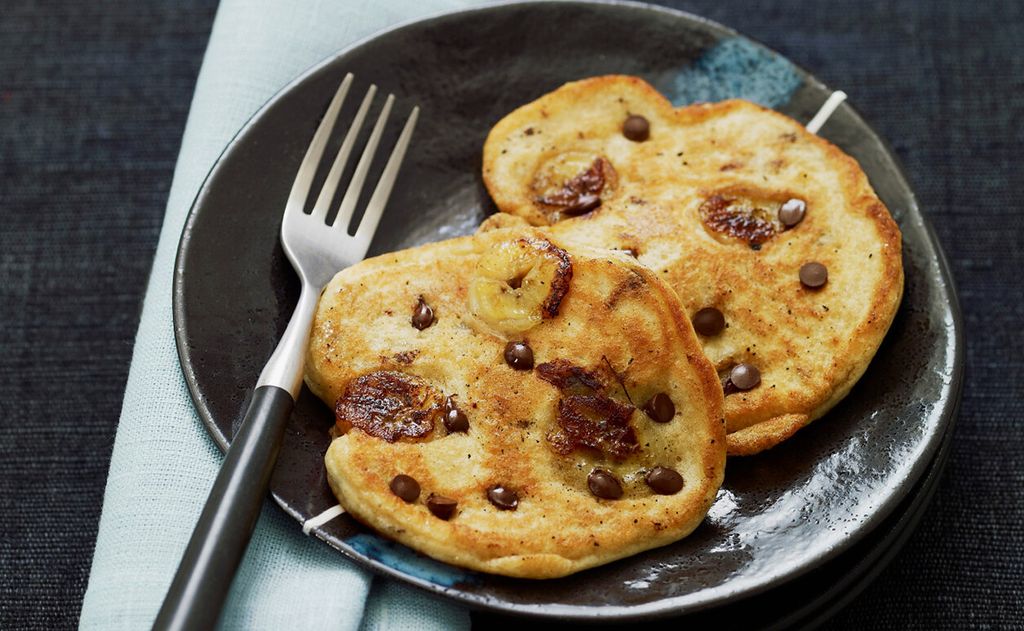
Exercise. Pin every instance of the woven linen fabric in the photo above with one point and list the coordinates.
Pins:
(163, 462)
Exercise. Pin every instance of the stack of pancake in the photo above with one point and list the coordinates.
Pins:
(662, 286)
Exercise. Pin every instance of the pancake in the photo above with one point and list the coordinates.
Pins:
(420, 353)
(727, 202)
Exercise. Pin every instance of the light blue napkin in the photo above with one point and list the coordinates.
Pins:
(163, 462)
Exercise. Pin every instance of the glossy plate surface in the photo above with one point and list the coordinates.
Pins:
(780, 514)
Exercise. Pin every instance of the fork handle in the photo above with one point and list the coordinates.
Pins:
(201, 584)
(203, 579)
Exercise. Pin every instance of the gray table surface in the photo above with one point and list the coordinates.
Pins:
(93, 102)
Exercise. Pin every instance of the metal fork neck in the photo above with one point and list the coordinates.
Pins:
(285, 367)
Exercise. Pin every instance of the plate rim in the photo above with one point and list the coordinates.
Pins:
(659, 608)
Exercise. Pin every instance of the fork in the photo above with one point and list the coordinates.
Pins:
(317, 250)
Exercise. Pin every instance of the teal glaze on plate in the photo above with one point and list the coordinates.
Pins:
(737, 68)
(405, 560)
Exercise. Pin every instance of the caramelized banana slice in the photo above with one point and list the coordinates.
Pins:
(389, 405)
(573, 183)
(519, 283)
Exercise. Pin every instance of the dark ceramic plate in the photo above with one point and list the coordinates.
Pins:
(803, 603)
(779, 515)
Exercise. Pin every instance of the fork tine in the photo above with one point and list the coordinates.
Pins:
(304, 178)
(375, 208)
(323, 201)
(348, 204)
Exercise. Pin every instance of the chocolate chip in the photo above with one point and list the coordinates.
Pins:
(583, 205)
(792, 212)
(519, 355)
(502, 497)
(455, 420)
(442, 507)
(813, 275)
(708, 321)
(604, 485)
(636, 128)
(745, 376)
(405, 487)
(664, 481)
(660, 408)
(422, 315)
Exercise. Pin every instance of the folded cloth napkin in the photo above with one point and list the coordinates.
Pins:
(163, 462)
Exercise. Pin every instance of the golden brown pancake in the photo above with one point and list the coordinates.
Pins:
(727, 202)
(516, 462)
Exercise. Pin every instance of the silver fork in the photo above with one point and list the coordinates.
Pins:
(317, 251)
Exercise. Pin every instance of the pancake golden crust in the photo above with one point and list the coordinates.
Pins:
(699, 203)
(616, 339)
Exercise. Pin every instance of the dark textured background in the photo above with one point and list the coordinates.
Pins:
(93, 101)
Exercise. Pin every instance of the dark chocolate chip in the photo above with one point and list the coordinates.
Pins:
(405, 487)
(519, 355)
(660, 408)
(745, 376)
(502, 497)
(583, 205)
(455, 420)
(442, 507)
(708, 321)
(792, 212)
(664, 481)
(813, 275)
(422, 315)
(636, 128)
(604, 485)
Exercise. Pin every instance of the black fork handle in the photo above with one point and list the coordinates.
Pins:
(203, 579)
